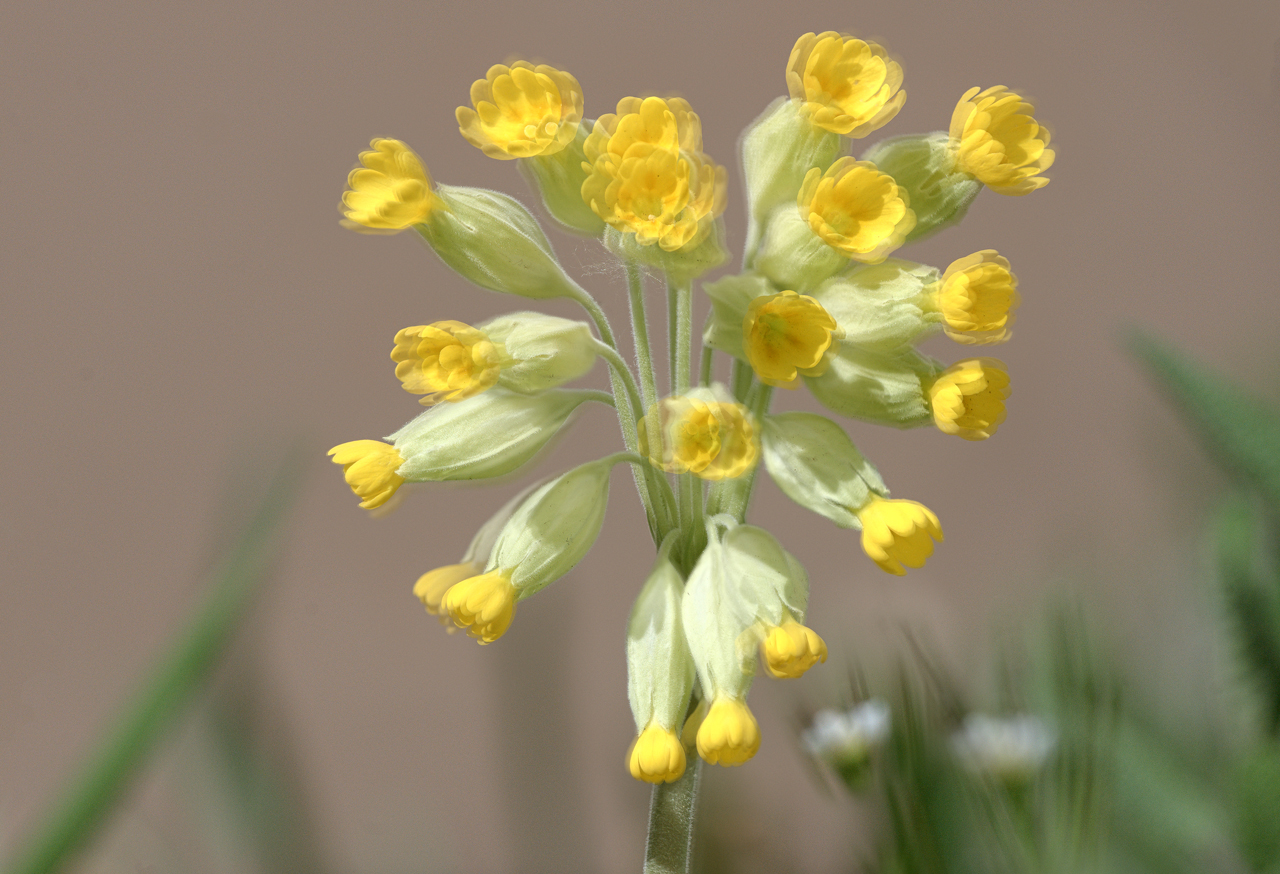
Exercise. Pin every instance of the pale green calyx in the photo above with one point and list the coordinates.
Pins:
(792, 256)
(890, 389)
(660, 670)
(554, 528)
(925, 165)
(723, 656)
(778, 149)
(546, 351)
(492, 240)
(558, 178)
(772, 585)
(883, 307)
(816, 465)
(730, 297)
(682, 264)
(491, 434)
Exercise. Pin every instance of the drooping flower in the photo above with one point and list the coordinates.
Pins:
(787, 335)
(968, 397)
(369, 467)
(648, 176)
(701, 433)
(431, 586)
(977, 297)
(484, 605)
(790, 649)
(391, 192)
(846, 86)
(522, 111)
(656, 755)
(446, 361)
(996, 139)
(897, 533)
(729, 735)
(856, 209)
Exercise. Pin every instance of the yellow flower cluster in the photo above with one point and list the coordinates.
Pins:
(648, 175)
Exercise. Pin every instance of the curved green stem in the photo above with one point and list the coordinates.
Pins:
(614, 360)
(640, 327)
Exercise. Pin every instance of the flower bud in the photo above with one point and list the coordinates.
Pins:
(897, 533)
(967, 399)
(371, 469)
(790, 649)
(976, 298)
(730, 297)
(553, 528)
(446, 361)
(885, 388)
(484, 605)
(816, 465)
(489, 435)
(882, 307)
(543, 351)
(703, 432)
(391, 191)
(490, 239)
(729, 734)
(846, 86)
(995, 138)
(522, 111)
(795, 257)
(778, 149)
(660, 675)
(558, 179)
(925, 167)
(857, 209)
(786, 335)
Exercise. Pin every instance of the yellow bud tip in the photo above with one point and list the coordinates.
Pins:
(369, 467)
(968, 398)
(977, 297)
(391, 191)
(446, 361)
(432, 585)
(996, 139)
(656, 756)
(729, 734)
(786, 335)
(845, 85)
(522, 111)
(484, 605)
(790, 649)
(897, 533)
(857, 210)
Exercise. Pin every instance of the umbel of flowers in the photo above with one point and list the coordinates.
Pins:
(820, 302)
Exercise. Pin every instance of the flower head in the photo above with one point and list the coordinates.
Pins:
(700, 433)
(977, 297)
(729, 734)
(790, 649)
(484, 605)
(647, 175)
(432, 585)
(446, 361)
(996, 139)
(1010, 749)
(847, 86)
(856, 209)
(839, 737)
(656, 756)
(968, 398)
(522, 111)
(897, 533)
(369, 467)
(786, 335)
(391, 192)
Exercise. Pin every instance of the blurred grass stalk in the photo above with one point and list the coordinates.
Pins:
(85, 804)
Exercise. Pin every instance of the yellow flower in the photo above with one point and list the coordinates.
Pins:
(700, 434)
(369, 467)
(391, 192)
(847, 86)
(786, 335)
(790, 649)
(484, 605)
(446, 361)
(997, 140)
(896, 533)
(968, 398)
(729, 734)
(432, 585)
(856, 209)
(656, 756)
(648, 176)
(522, 111)
(977, 297)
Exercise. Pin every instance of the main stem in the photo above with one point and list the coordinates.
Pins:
(669, 849)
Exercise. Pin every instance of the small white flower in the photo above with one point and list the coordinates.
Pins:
(1010, 748)
(849, 736)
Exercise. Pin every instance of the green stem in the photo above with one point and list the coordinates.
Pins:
(669, 849)
(640, 328)
(684, 334)
(741, 377)
(614, 360)
(673, 339)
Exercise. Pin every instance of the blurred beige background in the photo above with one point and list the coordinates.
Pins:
(176, 286)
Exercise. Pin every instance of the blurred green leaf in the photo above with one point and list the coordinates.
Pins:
(1242, 432)
(1258, 806)
(93, 792)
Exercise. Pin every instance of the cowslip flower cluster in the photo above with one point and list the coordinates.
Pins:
(821, 302)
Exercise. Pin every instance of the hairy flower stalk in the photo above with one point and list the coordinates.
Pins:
(825, 302)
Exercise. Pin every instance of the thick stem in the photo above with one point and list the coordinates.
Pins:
(669, 849)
